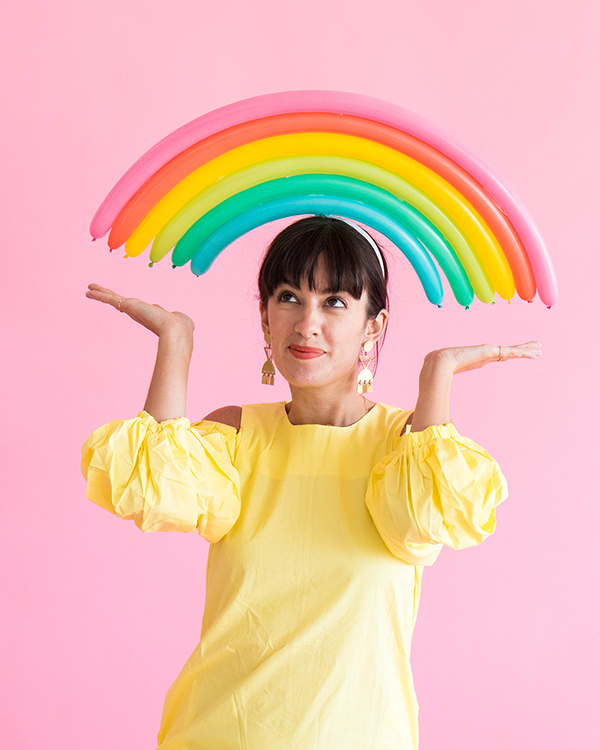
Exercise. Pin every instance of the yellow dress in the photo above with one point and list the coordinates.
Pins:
(318, 537)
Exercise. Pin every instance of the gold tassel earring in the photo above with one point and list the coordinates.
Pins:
(268, 370)
(365, 376)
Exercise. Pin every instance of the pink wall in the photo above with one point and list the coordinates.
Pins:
(98, 617)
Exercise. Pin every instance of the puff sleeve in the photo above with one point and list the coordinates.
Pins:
(167, 476)
(434, 488)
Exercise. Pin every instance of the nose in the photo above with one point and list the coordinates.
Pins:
(309, 323)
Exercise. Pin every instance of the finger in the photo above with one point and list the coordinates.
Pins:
(531, 347)
(103, 294)
(530, 344)
(96, 288)
(98, 295)
(107, 298)
(530, 350)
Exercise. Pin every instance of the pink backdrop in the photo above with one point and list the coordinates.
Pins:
(98, 618)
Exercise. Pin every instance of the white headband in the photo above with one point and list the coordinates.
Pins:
(367, 236)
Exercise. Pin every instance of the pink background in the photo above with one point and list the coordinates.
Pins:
(98, 618)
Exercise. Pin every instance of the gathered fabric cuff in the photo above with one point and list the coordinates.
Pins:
(165, 476)
(437, 487)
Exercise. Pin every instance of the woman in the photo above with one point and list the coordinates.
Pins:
(321, 512)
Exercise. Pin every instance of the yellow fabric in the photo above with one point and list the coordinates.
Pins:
(165, 477)
(313, 578)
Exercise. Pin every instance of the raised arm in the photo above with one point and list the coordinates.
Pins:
(440, 366)
(168, 388)
(438, 487)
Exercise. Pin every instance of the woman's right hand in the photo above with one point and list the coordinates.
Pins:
(168, 387)
(153, 317)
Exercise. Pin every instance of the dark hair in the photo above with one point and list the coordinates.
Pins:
(349, 260)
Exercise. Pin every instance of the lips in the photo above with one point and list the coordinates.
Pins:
(306, 349)
(305, 352)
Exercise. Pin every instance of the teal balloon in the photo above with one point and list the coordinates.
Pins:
(258, 215)
(366, 172)
(415, 233)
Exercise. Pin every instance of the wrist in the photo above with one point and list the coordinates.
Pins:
(437, 366)
(177, 337)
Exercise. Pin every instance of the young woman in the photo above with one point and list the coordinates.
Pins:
(321, 512)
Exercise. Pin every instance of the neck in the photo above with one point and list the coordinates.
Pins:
(326, 406)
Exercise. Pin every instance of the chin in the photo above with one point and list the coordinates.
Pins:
(301, 377)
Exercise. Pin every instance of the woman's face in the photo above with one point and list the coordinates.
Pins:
(316, 336)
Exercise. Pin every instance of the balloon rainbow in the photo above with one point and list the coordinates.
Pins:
(326, 152)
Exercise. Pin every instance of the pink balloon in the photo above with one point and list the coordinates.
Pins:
(342, 103)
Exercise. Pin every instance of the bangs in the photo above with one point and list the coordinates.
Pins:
(296, 260)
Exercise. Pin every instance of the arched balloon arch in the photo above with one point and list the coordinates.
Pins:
(325, 152)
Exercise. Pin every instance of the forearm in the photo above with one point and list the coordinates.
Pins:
(433, 403)
(168, 387)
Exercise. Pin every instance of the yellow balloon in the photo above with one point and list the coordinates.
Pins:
(462, 214)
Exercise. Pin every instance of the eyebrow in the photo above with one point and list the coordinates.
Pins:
(318, 291)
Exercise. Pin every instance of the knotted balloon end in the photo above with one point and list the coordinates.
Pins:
(93, 239)
(440, 307)
(150, 264)
(468, 307)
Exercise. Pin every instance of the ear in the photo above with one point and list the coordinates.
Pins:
(264, 317)
(376, 327)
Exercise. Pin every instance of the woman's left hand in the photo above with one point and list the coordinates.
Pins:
(433, 404)
(462, 358)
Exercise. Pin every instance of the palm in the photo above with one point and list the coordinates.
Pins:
(463, 358)
(153, 317)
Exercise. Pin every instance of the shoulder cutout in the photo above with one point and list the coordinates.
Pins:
(229, 415)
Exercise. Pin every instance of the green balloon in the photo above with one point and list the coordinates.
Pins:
(432, 221)
(337, 186)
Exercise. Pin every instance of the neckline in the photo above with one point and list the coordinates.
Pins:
(364, 418)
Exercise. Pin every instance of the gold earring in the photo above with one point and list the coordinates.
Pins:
(268, 370)
(365, 376)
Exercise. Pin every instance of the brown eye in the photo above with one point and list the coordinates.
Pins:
(333, 300)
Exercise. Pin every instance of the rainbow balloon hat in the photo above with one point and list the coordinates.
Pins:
(327, 152)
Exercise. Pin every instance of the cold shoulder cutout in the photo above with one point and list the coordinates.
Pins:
(228, 415)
